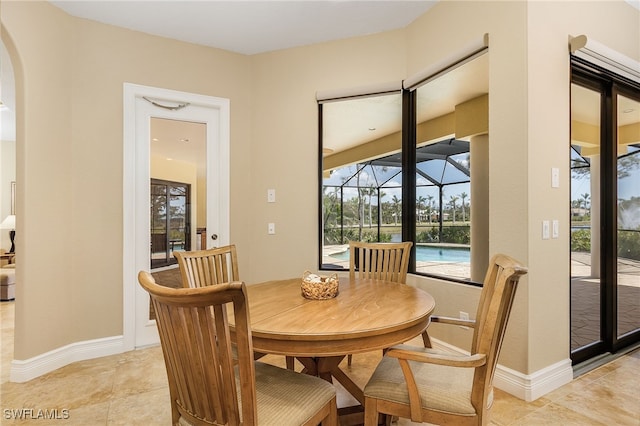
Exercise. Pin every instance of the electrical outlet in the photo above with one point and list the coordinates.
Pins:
(271, 229)
(464, 316)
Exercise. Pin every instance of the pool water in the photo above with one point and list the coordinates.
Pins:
(443, 254)
(430, 254)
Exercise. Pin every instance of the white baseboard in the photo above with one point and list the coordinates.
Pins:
(532, 386)
(25, 370)
(527, 387)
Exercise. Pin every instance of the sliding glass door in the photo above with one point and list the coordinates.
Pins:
(628, 211)
(586, 277)
(605, 212)
(170, 221)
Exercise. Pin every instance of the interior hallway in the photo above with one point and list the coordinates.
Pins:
(131, 388)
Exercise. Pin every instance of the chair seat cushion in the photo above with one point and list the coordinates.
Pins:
(7, 276)
(7, 284)
(442, 388)
(285, 397)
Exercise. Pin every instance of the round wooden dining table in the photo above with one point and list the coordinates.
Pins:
(366, 315)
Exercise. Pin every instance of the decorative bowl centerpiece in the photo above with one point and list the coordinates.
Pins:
(319, 287)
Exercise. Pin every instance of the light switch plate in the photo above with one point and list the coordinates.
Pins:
(555, 177)
(545, 229)
(271, 195)
(271, 228)
(555, 228)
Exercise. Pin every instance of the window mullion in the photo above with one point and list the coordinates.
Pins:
(409, 171)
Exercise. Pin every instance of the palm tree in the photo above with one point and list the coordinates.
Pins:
(330, 205)
(381, 195)
(396, 208)
(369, 192)
(463, 196)
(420, 201)
(430, 209)
(360, 201)
(452, 201)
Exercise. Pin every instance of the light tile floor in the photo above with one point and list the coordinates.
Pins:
(131, 389)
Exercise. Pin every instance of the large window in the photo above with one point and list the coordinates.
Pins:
(396, 166)
(443, 209)
(362, 174)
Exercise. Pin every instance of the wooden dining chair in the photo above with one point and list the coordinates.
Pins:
(201, 268)
(380, 261)
(207, 384)
(427, 385)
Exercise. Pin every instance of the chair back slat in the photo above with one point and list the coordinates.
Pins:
(203, 268)
(380, 261)
(196, 343)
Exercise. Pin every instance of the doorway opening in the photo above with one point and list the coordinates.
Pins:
(144, 108)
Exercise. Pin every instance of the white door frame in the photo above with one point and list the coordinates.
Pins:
(215, 112)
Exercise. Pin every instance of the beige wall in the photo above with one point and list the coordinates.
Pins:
(548, 133)
(73, 72)
(43, 143)
(7, 141)
(284, 153)
(69, 161)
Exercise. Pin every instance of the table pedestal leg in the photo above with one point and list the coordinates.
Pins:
(328, 369)
(321, 366)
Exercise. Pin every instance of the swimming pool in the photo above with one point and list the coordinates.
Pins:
(443, 254)
(430, 254)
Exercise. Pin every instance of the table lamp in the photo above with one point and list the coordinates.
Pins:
(9, 222)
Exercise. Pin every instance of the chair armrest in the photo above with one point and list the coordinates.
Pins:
(404, 354)
(453, 321)
(469, 361)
